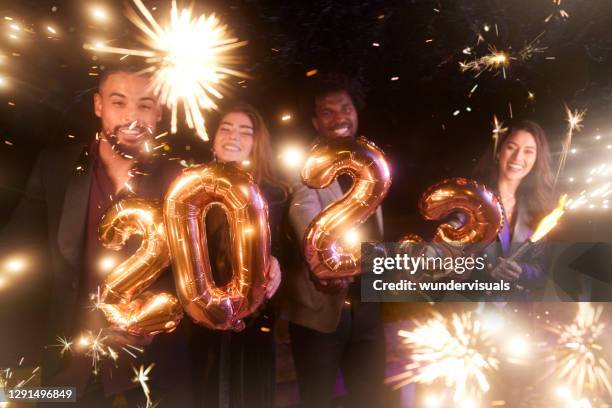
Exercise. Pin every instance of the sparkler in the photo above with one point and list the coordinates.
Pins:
(595, 189)
(558, 10)
(498, 130)
(142, 377)
(9, 378)
(64, 344)
(574, 121)
(578, 352)
(189, 59)
(544, 227)
(458, 351)
(489, 62)
(94, 346)
(499, 60)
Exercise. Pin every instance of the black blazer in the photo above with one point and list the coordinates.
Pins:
(50, 223)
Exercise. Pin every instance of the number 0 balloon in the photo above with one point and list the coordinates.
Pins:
(185, 207)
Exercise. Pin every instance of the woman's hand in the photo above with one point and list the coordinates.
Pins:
(274, 272)
(506, 270)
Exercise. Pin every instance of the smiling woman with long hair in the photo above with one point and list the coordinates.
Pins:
(237, 369)
(533, 185)
(520, 172)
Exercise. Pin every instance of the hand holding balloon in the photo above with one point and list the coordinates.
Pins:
(185, 207)
(482, 210)
(327, 253)
(482, 219)
(274, 272)
(122, 300)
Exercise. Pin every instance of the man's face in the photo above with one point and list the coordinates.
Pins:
(335, 115)
(129, 112)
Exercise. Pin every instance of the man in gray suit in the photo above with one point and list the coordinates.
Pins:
(56, 224)
(330, 328)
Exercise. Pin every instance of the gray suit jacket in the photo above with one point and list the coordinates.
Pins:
(303, 304)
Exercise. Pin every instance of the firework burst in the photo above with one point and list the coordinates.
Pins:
(579, 354)
(189, 60)
(457, 351)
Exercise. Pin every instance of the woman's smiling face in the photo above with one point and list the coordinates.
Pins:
(234, 138)
(517, 156)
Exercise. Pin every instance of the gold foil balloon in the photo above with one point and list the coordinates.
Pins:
(327, 247)
(483, 220)
(185, 207)
(122, 300)
(482, 210)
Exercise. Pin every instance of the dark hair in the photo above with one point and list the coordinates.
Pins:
(536, 189)
(262, 169)
(130, 69)
(325, 84)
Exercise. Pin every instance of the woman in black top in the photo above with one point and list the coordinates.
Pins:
(237, 369)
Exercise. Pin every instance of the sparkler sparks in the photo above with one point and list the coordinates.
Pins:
(64, 344)
(574, 121)
(591, 186)
(549, 221)
(93, 346)
(12, 378)
(489, 62)
(142, 377)
(498, 130)
(578, 352)
(496, 60)
(458, 351)
(189, 60)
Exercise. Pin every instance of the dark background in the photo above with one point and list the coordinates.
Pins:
(426, 120)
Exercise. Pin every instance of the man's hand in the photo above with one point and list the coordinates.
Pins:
(120, 338)
(506, 270)
(274, 272)
(331, 286)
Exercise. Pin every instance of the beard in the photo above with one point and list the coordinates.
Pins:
(135, 151)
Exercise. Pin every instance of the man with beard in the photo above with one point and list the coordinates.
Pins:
(68, 192)
(330, 328)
